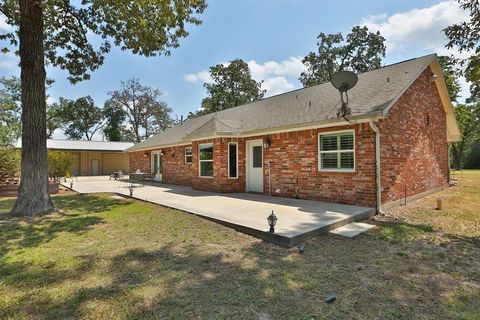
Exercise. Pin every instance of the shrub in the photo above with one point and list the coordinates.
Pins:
(9, 163)
(59, 164)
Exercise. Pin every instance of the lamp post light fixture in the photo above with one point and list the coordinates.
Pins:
(131, 190)
(272, 220)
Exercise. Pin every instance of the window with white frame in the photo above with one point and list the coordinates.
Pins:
(188, 155)
(232, 160)
(205, 158)
(337, 151)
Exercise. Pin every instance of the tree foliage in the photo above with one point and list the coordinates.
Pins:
(146, 27)
(466, 37)
(450, 74)
(146, 112)
(359, 51)
(115, 117)
(9, 163)
(232, 86)
(80, 118)
(59, 164)
(468, 119)
(10, 110)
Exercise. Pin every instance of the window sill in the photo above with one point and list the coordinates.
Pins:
(337, 170)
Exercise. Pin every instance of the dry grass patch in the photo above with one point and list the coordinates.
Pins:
(118, 259)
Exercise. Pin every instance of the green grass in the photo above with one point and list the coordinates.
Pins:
(106, 258)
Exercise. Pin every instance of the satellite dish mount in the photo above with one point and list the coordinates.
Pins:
(344, 81)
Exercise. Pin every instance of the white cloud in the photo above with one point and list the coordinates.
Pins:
(417, 28)
(276, 76)
(421, 30)
(8, 60)
(202, 76)
(3, 24)
(277, 85)
(291, 67)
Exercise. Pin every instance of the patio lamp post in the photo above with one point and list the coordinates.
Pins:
(272, 220)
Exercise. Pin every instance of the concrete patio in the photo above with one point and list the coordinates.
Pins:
(298, 219)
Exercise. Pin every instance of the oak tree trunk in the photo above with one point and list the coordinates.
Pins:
(33, 197)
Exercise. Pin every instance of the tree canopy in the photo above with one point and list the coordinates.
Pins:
(232, 86)
(359, 51)
(466, 37)
(146, 27)
(450, 74)
(10, 110)
(146, 112)
(114, 116)
(80, 118)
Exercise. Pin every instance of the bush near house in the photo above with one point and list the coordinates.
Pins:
(9, 164)
(59, 164)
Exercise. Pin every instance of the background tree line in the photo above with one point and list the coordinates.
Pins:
(132, 113)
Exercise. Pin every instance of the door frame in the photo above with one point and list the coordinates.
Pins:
(160, 165)
(247, 163)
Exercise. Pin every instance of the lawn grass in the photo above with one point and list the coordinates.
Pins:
(106, 258)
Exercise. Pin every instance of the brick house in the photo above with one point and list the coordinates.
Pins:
(394, 145)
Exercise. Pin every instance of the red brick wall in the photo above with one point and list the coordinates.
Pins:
(139, 160)
(295, 168)
(295, 172)
(175, 170)
(414, 150)
(220, 181)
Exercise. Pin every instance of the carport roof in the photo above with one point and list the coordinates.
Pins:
(84, 145)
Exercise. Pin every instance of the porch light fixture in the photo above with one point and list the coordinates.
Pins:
(131, 190)
(272, 220)
(145, 154)
(266, 142)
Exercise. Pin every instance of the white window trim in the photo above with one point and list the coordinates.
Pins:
(204, 145)
(228, 156)
(191, 155)
(335, 151)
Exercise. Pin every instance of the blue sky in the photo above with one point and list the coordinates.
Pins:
(272, 35)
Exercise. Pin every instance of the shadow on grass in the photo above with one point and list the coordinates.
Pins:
(79, 214)
(192, 280)
(186, 282)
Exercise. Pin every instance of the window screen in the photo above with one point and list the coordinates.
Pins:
(337, 151)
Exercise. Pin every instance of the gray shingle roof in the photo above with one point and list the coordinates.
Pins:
(372, 95)
(82, 145)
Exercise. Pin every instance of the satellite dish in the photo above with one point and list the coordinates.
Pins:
(344, 80)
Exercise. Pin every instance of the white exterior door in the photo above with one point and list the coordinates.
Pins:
(95, 167)
(156, 166)
(255, 166)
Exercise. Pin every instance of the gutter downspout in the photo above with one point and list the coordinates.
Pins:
(378, 178)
